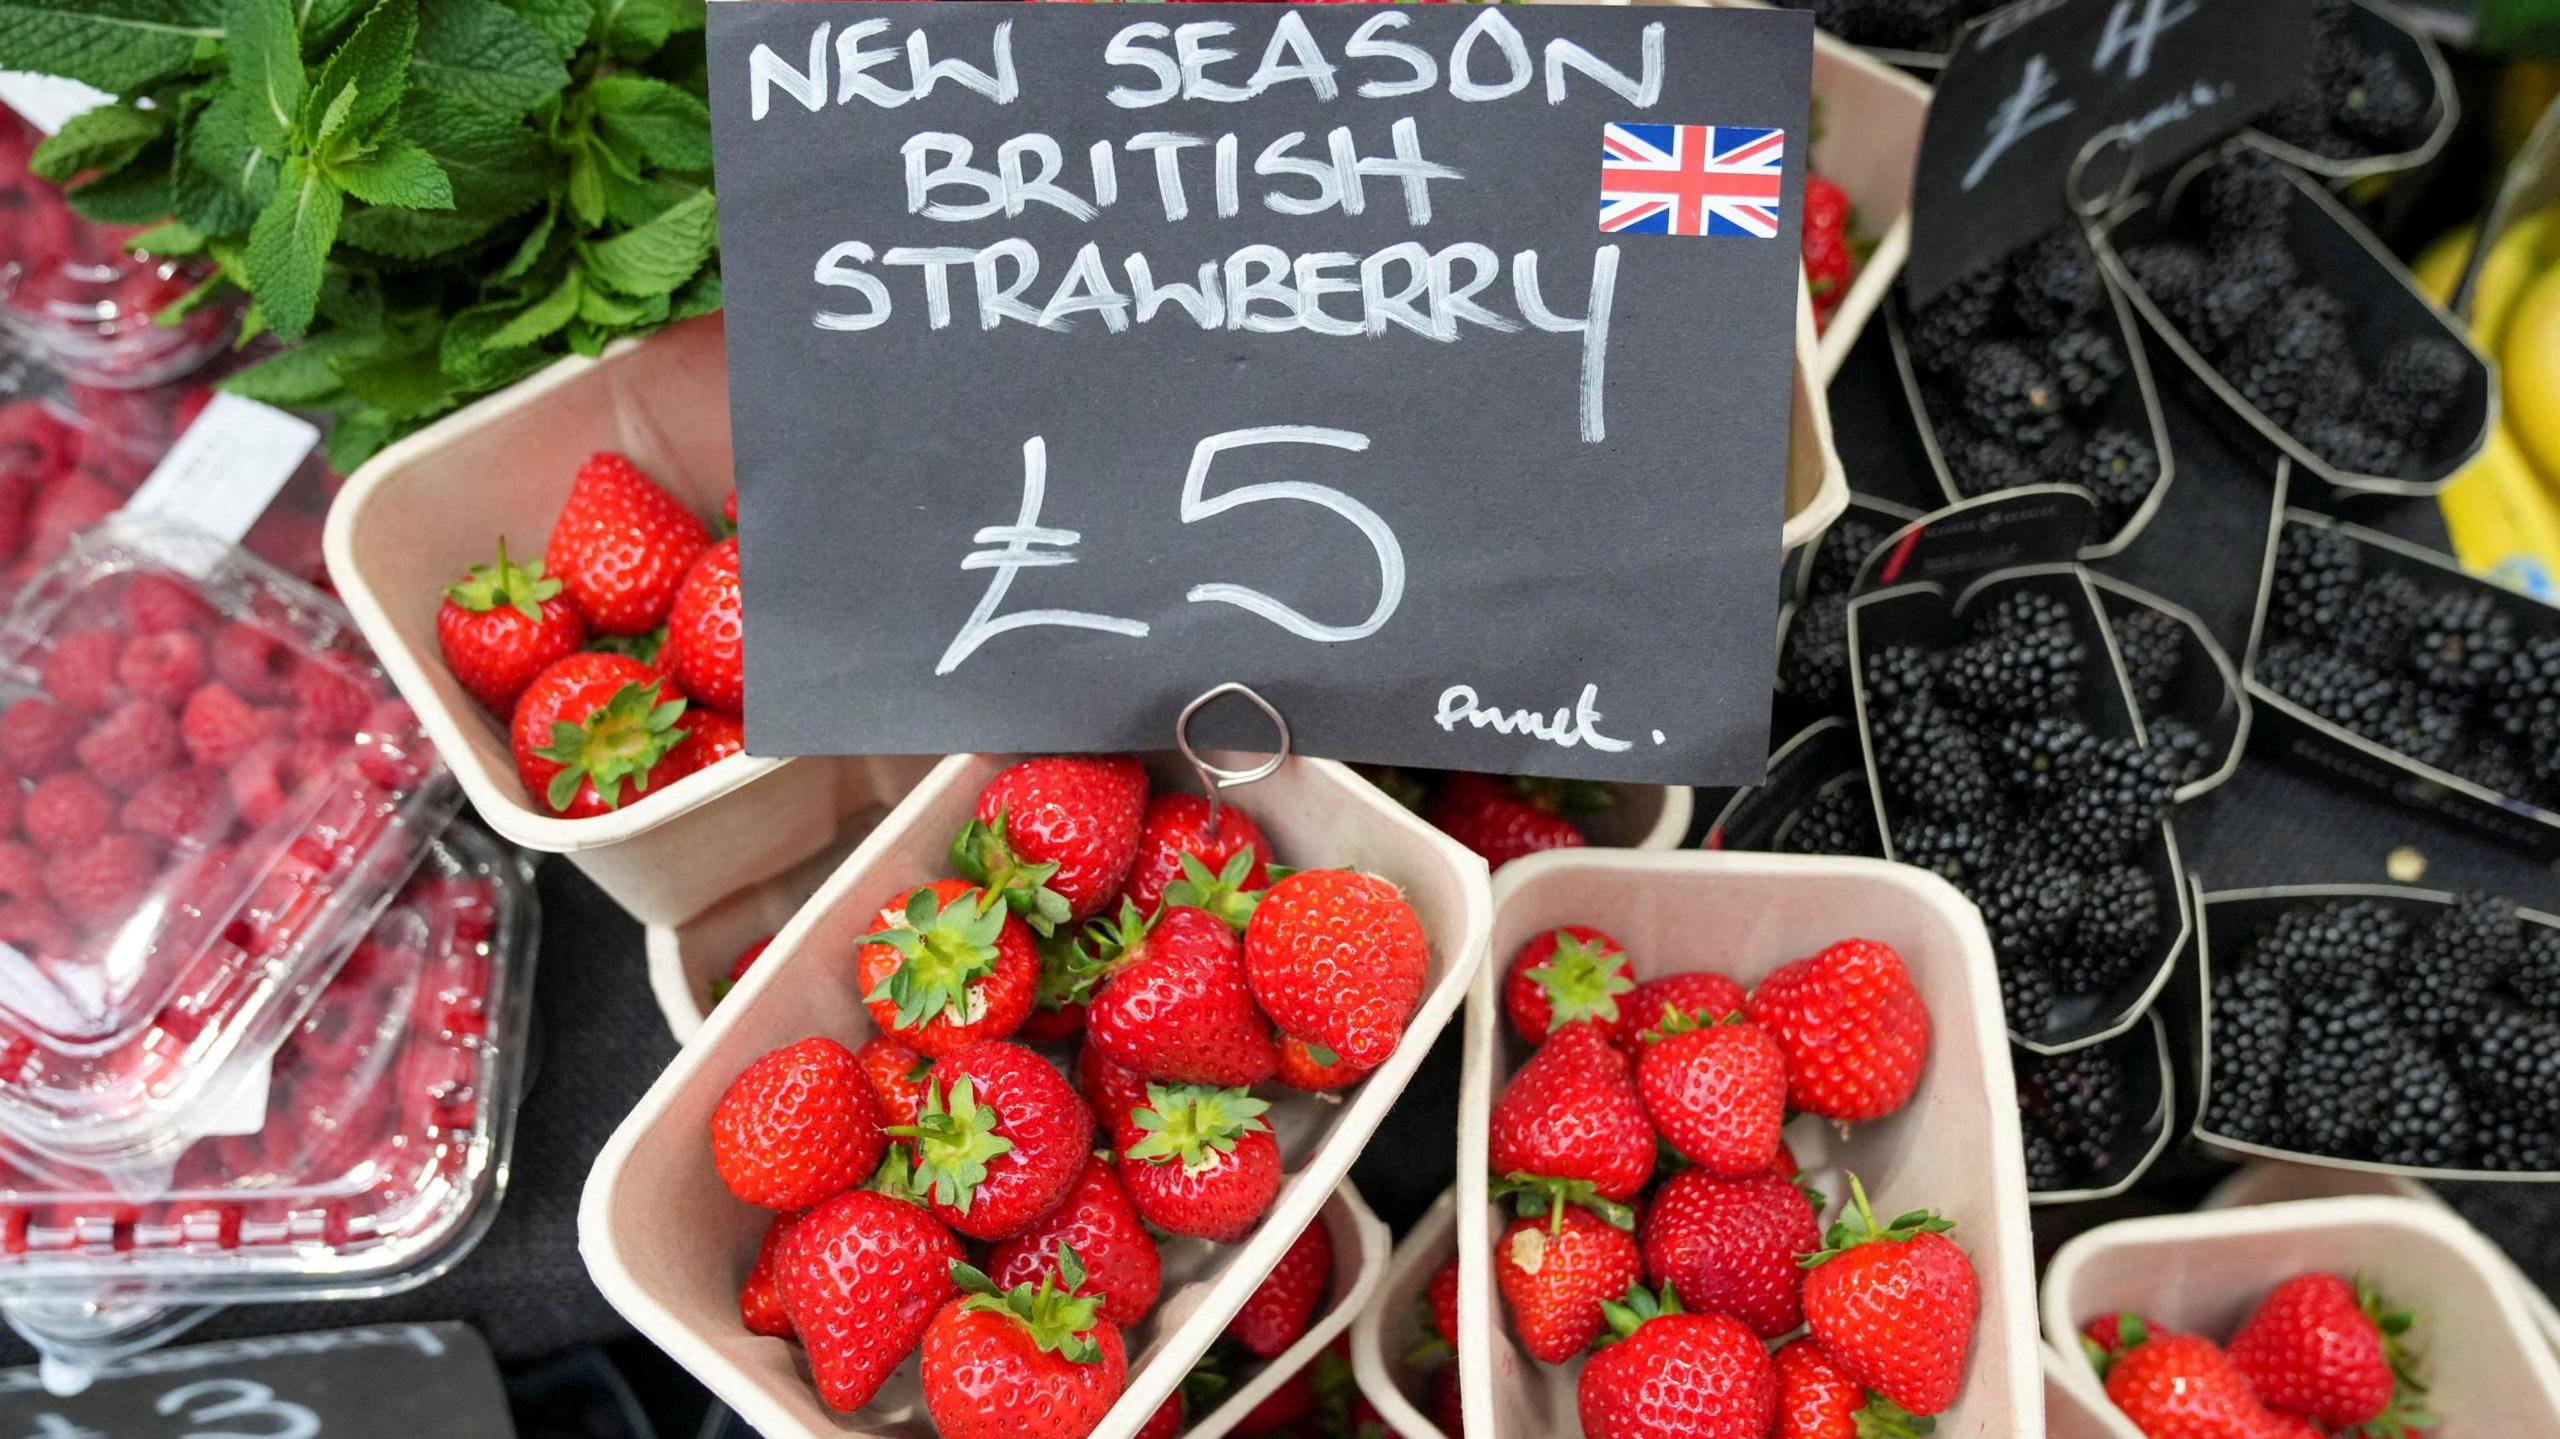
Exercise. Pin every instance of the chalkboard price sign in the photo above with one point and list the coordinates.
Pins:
(1424, 367)
(419, 1381)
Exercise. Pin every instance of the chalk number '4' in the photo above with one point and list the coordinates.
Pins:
(1198, 506)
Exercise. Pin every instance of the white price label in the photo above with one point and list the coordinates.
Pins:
(226, 469)
(48, 101)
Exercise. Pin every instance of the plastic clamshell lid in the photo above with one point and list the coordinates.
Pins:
(272, 831)
(388, 1123)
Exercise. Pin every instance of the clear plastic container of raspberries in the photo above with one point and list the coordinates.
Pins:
(207, 793)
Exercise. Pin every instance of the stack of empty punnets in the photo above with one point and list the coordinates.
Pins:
(244, 1055)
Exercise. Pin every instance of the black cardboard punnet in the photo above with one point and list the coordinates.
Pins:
(2206, 694)
(2226, 921)
(1822, 756)
(1883, 516)
(2146, 1124)
(2378, 27)
(2387, 309)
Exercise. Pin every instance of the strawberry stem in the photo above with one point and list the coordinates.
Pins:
(520, 587)
(1193, 1124)
(955, 1139)
(1537, 1196)
(1222, 894)
(623, 739)
(983, 855)
(1582, 981)
(1859, 1227)
(942, 950)
(1060, 1320)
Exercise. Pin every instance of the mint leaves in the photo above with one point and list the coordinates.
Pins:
(425, 199)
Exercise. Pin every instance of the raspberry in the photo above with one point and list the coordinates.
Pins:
(328, 700)
(162, 668)
(21, 872)
(220, 726)
(35, 928)
(392, 751)
(36, 736)
(256, 781)
(100, 881)
(81, 671)
(157, 605)
(12, 800)
(182, 806)
(131, 745)
(252, 661)
(65, 811)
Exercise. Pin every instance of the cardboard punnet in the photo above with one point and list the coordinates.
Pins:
(1643, 816)
(2152, 1100)
(2074, 1406)
(2486, 1367)
(2207, 693)
(2382, 27)
(668, 1244)
(1360, 1247)
(1820, 756)
(1389, 1328)
(1745, 915)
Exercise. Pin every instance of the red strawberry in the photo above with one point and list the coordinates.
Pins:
(1893, 1305)
(36, 736)
(1313, 1069)
(706, 637)
(1830, 259)
(621, 546)
(729, 507)
(1853, 1028)
(1031, 1362)
(1730, 1246)
(2325, 1348)
(898, 1074)
(738, 968)
(1200, 1162)
(1717, 1093)
(1056, 836)
(796, 1127)
(1337, 959)
(1168, 1420)
(81, 671)
(1817, 1401)
(1099, 1223)
(1068, 973)
(252, 660)
(1275, 1315)
(1442, 1297)
(1176, 825)
(99, 882)
(1572, 1112)
(1694, 994)
(592, 731)
(162, 668)
(1676, 1376)
(1503, 819)
(1571, 975)
(2106, 1338)
(710, 736)
(1555, 1273)
(1448, 1406)
(760, 1298)
(503, 624)
(134, 742)
(1114, 1093)
(66, 811)
(1174, 1004)
(999, 1140)
(947, 967)
(862, 1278)
(219, 725)
(2179, 1386)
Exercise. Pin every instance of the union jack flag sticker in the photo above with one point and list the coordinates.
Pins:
(1691, 180)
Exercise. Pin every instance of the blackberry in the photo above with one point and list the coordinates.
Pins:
(2169, 271)
(2054, 282)
(2391, 712)
(2510, 1064)
(2426, 1119)
(2374, 100)
(2414, 721)
(1981, 465)
(2027, 996)
(2087, 362)
(2465, 643)
(2153, 646)
(2334, 947)
(2128, 792)
(2535, 979)
(2517, 1148)
(2120, 915)
(2119, 469)
(2380, 619)
(2009, 395)
(2241, 279)
(2089, 972)
(2252, 1035)
(1899, 676)
(2072, 1113)
(2316, 573)
(1960, 851)
(2302, 120)
(2244, 193)
(2183, 749)
(2353, 446)
(2527, 700)
(2022, 610)
(2029, 908)
(2494, 765)
(1813, 669)
(1945, 327)
(2416, 387)
(2040, 760)
(2292, 362)
(1840, 820)
(1929, 762)
(2337, 1070)
(1841, 552)
(2444, 982)
(2009, 676)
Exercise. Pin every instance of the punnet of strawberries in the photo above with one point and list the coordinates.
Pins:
(2322, 1354)
(1500, 817)
(616, 657)
(1663, 1236)
(1078, 1034)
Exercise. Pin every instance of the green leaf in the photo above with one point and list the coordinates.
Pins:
(168, 239)
(356, 436)
(412, 386)
(530, 250)
(544, 317)
(266, 68)
(655, 258)
(413, 234)
(603, 307)
(221, 179)
(700, 295)
(586, 187)
(564, 23)
(320, 19)
(300, 376)
(671, 128)
(467, 357)
(372, 68)
(137, 194)
(398, 174)
(289, 247)
(498, 167)
(333, 120)
(104, 139)
(634, 29)
(116, 45)
(483, 53)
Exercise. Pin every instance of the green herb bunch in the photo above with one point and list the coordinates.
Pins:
(424, 199)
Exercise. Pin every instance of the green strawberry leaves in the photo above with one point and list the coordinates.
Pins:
(1627, 1315)
(1881, 1418)
(1193, 1124)
(622, 741)
(1583, 981)
(521, 587)
(1060, 1320)
(1535, 1196)
(954, 1139)
(1222, 894)
(1859, 1227)
(943, 951)
(982, 855)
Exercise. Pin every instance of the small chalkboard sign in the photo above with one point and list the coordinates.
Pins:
(418, 1381)
(1426, 368)
(2135, 85)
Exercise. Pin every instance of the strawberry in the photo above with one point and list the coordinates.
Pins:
(219, 725)
(1503, 818)
(2180, 1386)
(81, 671)
(1817, 1401)
(1448, 1406)
(1440, 1298)
(1716, 1093)
(2106, 1338)
(1176, 825)
(1694, 994)
(760, 1305)
(1730, 1246)
(1030, 1362)
(1670, 1375)
(947, 967)
(1573, 1113)
(1556, 1271)
(1571, 975)
(1337, 959)
(589, 725)
(1200, 1162)
(1174, 1004)
(1114, 1093)
(797, 1126)
(134, 742)
(1098, 1222)
(1893, 1305)
(2327, 1349)
(99, 882)
(706, 637)
(1068, 973)
(66, 811)
(738, 968)
(862, 1278)
(999, 1140)
(729, 507)
(503, 624)
(1275, 1315)
(1315, 1070)
(1056, 836)
(161, 668)
(710, 737)
(621, 546)
(897, 1074)
(1168, 1420)
(1830, 259)
(36, 736)
(1853, 1029)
